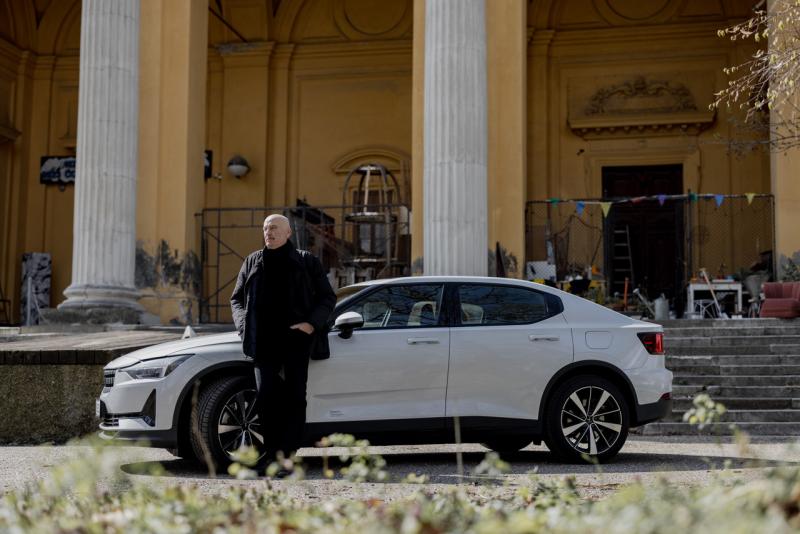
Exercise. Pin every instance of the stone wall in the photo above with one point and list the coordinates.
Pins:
(48, 402)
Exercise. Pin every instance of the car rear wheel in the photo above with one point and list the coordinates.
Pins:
(225, 420)
(587, 420)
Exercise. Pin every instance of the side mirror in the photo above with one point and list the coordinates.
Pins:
(347, 322)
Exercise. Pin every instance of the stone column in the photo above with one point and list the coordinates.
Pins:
(455, 138)
(784, 164)
(105, 182)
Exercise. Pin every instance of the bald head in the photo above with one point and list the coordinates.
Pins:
(276, 231)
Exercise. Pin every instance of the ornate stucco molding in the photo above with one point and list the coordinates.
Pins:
(637, 106)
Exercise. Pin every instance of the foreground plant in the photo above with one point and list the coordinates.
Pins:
(90, 494)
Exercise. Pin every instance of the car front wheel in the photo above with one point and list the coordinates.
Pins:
(587, 420)
(225, 420)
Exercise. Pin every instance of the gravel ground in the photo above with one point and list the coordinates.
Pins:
(682, 461)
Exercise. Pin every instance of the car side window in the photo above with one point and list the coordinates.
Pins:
(486, 304)
(406, 306)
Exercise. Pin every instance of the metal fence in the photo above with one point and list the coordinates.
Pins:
(657, 243)
(354, 243)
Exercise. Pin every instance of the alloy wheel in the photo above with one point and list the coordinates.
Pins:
(238, 424)
(591, 420)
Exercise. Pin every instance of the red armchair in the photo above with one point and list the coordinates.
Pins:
(781, 299)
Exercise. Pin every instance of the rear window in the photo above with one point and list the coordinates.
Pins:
(486, 304)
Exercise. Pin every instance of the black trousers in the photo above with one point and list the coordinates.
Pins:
(281, 401)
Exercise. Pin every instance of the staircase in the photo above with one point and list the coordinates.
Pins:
(752, 366)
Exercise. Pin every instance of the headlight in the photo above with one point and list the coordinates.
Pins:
(158, 368)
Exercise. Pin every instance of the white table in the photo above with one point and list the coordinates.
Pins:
(719, 286)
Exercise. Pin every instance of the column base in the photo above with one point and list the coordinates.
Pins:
(98, 305)
(94, 316)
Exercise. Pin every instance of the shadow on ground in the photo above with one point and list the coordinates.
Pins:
(441, 467)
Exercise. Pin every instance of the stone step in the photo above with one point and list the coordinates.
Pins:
(731, 341)
(738, 380)
(777, 370)
(726, 323)
(754, 429)
(683, 403)
(732, 350)
(733, 359)
(749, 416)
(674, 333)
(715, 391)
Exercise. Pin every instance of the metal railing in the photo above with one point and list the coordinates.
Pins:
(659, 244)
(350, 250)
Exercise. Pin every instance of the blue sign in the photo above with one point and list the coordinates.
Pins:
(58, 170)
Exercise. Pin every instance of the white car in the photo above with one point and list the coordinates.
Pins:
(509, 361)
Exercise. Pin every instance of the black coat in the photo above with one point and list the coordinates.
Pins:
(310, 295)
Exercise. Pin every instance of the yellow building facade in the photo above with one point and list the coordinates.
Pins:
(305, 90)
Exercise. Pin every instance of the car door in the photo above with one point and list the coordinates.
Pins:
(506, 343)
(393, 368)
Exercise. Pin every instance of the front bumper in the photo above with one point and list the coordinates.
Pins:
(165, 439)
(146, 408)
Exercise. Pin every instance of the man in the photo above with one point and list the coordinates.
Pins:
(281, 304)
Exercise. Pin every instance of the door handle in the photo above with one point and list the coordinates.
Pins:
(422, 340)
(534, 337)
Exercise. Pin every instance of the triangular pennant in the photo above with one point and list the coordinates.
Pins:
(579, 207)
(692, 197)
(661, 199)
(606, 208)
(750, 197)
(554, 200)
(718, 199)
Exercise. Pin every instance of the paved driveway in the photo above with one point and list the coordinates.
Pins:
(682, 461)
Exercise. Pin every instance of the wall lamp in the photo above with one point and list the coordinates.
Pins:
(238, 166)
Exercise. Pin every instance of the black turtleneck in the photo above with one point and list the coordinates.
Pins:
(274, 304)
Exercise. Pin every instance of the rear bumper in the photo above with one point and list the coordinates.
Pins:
(646, 413)
(165, 439)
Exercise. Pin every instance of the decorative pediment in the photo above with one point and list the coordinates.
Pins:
(641, 96)
(638, 106)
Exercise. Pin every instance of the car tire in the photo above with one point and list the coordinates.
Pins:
(507, 445)
(587, 420)
(218, 406)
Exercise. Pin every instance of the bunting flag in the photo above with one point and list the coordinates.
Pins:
(579, 207)
(554, 201)
(692, 197)
(750, 197)
(606, 208)
(718, 199)
(661, 199)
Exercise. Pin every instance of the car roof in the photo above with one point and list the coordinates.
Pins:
(440, 279)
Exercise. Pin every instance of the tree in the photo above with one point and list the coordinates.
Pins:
(767, 86)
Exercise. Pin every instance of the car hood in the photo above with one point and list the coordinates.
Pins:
(174, 347)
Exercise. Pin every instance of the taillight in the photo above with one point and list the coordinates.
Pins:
(653, 342)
